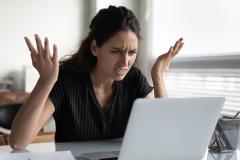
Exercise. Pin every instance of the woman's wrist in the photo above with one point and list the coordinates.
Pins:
(45, 82)
(159, 86)
(157, 78)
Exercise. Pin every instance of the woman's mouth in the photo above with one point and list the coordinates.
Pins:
(121, 71)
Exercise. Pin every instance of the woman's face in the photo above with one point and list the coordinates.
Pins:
(116, 56)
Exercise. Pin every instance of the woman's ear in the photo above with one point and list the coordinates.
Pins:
(94, 48)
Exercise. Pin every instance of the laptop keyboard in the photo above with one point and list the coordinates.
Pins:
(113, 158)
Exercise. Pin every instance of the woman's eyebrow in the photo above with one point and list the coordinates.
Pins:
(122, 49)
(116, 48)
(133, 50)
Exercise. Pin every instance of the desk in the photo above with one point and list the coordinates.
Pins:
(77, 148)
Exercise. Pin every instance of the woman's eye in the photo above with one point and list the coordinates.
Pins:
(115, 52)
(132, 52)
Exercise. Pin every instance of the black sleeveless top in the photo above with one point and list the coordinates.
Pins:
(78, 115)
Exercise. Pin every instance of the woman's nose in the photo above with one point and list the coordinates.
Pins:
(124, 59)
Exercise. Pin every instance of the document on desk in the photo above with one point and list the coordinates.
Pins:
(63, 155)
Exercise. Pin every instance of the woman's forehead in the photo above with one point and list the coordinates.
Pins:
(123, 39)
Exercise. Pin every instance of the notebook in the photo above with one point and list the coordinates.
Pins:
(170, 129)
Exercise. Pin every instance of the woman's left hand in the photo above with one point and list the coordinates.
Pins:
(162, 63)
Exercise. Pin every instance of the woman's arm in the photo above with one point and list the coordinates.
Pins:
(38, 108)
(161, 66)
(31, 117)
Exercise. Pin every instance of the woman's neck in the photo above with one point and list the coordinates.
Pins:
(103, 89)
(101, 81)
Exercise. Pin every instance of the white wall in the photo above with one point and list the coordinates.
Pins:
(60, 20)
(131, 4)
(209, 27)
(64, 22)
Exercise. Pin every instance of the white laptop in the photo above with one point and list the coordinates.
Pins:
(170, 129)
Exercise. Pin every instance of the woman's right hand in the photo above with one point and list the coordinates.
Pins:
(46, 65)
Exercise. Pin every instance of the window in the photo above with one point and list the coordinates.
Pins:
(206, 82)
(209, 63)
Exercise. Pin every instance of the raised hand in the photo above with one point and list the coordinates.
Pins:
(163, 61)
(46, 65)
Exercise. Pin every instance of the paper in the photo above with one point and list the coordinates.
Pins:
(63, 155)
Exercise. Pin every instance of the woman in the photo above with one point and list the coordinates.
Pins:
(91, 95)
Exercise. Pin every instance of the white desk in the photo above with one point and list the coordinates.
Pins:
(77, 148)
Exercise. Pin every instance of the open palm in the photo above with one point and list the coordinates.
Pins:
(46, 65)
(163, 62)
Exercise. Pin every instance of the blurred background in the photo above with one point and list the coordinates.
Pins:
(208, 64)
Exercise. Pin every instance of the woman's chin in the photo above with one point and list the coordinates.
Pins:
(119, 77)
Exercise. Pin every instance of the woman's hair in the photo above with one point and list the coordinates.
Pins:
(103, 26)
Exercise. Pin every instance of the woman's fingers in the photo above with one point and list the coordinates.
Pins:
(170, 50)
(178, 45)
(34, 59)
(173, 51)
(55, 54)
(39, 44)
(30, 46)
(33, 51)
(46, 65)
(41, 55)
(163, 62)
(46, 53)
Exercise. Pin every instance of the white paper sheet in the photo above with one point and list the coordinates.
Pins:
(63, 155)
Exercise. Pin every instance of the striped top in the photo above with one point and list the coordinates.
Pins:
(78, 115)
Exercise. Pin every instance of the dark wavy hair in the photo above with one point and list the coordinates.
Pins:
(104, 25)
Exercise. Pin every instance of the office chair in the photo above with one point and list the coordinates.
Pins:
(7, 114)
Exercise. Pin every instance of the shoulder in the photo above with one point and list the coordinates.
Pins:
(133, 73)
(68, 77)
(133, 77)
(70, 74)
(136, 83)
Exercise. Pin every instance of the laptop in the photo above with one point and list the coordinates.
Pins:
(170, 129)
(167, 129)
